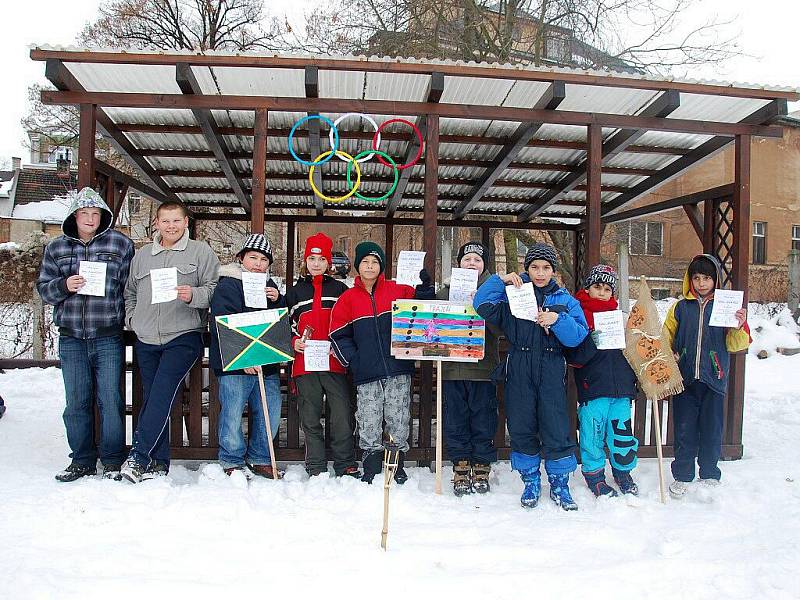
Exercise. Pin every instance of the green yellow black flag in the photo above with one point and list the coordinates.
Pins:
(254, 338)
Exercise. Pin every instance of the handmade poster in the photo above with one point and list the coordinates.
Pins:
(436, 330)
(95, 275)
(723, 311)
(463, 283)
(645, 349)
(162, 284)
(253, 339)
(409, 264)
(317, 355)
(611, 329)
(253, 285)
(522, 301)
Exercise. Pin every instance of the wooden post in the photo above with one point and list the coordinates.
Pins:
(88, 124)
(439, 427)
(624, 274)
(259, 172)
(265, 408)
(430, 235)
(389, 246)
(659, 453)
(486, 238)
(290, 230)
(709, 206)
(794, 281)
(594, 231)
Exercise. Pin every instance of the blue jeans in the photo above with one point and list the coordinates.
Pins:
(235, 393)
(91, 370)
(607, 421)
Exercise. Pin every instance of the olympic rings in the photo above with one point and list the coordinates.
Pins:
(318, 162)
(363, 116)
(376, 140)
(394, 166)
(334, 141)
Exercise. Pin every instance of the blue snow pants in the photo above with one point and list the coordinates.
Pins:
(607, 421)
(697, 417)
(470, 420)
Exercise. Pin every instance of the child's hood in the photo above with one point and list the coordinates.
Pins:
(688, 290)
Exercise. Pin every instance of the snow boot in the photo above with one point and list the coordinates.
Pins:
(678, 489)
(625, 482)
(112, 472)
(710, 482)
(75, 471)
(461, 478)
(373, 464)
(400, 475)
(533, 487)
(351, 471)
(596, 480)
(559, 491)
(265, 471)
(132, 470)
(156, 469)
(480, 477)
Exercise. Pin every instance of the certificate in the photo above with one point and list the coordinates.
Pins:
(726, 303)
(463, 282)
(95, 275)
(522, 301)
(409, 264)
(317, 355)
(163, 283)
(253, 285)
(611, 329)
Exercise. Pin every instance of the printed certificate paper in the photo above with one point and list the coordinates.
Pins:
(409, 264)
(163, 283)
(463, 282)
(611, 327)
(253, 285)
(316, 356)
(522, 301)
(726, 303)
(95, 275)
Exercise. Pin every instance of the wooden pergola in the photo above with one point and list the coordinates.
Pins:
(504, 147)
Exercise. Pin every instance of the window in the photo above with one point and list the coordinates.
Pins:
(59, 152)
(557, 49)
(795, 237)
(759, 242)
(646, 238)
(134, 204)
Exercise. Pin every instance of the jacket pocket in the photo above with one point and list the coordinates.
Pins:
(187, 274)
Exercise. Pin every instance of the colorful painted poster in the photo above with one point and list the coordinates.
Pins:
(253, 339)
(437, 330)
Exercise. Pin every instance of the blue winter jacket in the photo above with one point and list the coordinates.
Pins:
(76, 315)
(600, 373)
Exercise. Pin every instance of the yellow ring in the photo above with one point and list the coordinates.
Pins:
(338, 198)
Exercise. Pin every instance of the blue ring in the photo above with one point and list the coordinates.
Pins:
(335, 140)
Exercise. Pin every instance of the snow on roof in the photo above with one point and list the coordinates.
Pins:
(5, 187)
(49, 211)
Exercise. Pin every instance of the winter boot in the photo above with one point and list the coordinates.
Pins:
(596, 480)
(625, 482)
(112, 472)
(132, 470)
(351, 471)
(480, 477)
(533, 487)
(75, 471)
(461, 478)
(400, 475)
(265, 471)
(559, 491)
(373, 464)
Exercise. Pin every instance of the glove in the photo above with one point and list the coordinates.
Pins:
(425, 277)
(595, 337)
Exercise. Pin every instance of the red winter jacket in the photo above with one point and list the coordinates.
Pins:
(310, 301)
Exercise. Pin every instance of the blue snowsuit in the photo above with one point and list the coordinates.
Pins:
(534, 374)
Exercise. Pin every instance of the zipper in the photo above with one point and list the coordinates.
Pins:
(701, 312)
(83, 303)
(377, 329)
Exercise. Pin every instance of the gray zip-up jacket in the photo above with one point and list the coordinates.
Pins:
(197, 266)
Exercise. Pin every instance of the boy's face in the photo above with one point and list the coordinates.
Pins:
(600, 291)
(255, 261)
(702, 284)
(87, 221)
(369, 268)
(471, 261)
(540, 272)
(171, 224)
(316, 264)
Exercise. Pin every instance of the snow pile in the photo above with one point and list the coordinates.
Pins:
(5, 187)
(772, 327)
(49, 211)
(9, 246)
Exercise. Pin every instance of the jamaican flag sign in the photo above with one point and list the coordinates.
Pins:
(253, 339)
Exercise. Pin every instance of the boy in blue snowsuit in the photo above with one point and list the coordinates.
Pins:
(606, 385)
(534, 374)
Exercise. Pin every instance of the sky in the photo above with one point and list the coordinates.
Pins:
(767, 36)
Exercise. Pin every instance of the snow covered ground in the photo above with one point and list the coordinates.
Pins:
(199, 534)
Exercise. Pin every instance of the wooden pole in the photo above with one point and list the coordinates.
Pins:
(439, 427)
(659, 451)
(391, 460)
(88, 128)
(260, 375)
(259, 171)
(594, 229)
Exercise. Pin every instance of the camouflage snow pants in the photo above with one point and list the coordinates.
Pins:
(386, 399)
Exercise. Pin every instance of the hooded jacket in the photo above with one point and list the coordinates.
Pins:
(228, 299)
(197, 266)
(76, 315)
(703, 351)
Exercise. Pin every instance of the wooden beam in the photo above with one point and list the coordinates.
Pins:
(312, 91)
(382, 65)
(703, 152)
(132, 182)
(391, 107)
(709, 225)
(430, 214)
(435, 91)
(389, 247)
(710, 194)
(87, 130)
(550, 100)
(695, 218)
(190, 87)
(259, 171)
(660, 108)
(594, 228)
(62, 79)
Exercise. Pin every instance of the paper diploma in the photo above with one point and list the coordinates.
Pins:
(611, 327)
(253, 285)
(316, 356)
(163, 283)
(726, 303)
(95, 275)
(463, 282)
(522, 301)
(409, 264)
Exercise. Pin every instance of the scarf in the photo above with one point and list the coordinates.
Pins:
(593, 305)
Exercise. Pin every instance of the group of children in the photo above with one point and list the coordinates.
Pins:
(357, 322)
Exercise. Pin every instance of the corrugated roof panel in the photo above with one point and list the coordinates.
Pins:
(475, 90)
(191, 164)
(669, 139)
(532, 175)
(251, 81)
(550, 156)
(525, 94)
(563, 133)
(623, 180)
(205, 197)
(167, 141)
(640, 161)
(341, 84)
(151, 116)
(501, 129)
(591, 98)
(448, 126)
(216, 182)
(402, 87)
(724, 109)
(150, 79)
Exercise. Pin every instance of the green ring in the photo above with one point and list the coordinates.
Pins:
(394, 166)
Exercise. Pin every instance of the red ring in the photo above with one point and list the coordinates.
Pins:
(419, 137)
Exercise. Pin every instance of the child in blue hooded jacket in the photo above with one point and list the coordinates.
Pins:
(535, 386)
